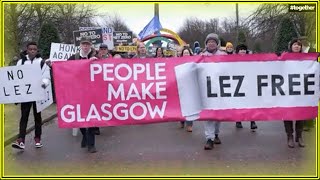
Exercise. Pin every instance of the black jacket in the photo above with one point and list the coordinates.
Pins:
(73, 57)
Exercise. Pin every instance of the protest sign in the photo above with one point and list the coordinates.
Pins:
(21, 84)
(122, 37)
(62, 52)
(107, 35)
(94, 35)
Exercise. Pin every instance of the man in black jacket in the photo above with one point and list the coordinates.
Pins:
(88, 134)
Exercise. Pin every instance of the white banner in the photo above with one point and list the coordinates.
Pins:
(107, 35)
(246, 85)
(21, 84)
(62, 52)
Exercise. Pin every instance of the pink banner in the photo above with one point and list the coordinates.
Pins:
(117, 92)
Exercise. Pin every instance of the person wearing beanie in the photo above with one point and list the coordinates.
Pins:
(295, 46)
(197, 48)
(229, 48)
(212, 43)
(243, 49)
(212, 128)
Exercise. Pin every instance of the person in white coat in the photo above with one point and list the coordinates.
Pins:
(32, 57)
(212, 128)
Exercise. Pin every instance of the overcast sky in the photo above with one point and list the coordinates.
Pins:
(172, 15)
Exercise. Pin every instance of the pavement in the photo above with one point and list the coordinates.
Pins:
(11, 133)
(164, 149)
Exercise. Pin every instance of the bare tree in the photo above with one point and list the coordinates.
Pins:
(265, 21)
(114, 21)
(70, 17)
(195, 29)
(23, 22)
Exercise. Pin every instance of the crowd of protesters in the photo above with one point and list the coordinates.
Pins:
(212, 48)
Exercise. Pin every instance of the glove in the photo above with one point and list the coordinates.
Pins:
(45, 83)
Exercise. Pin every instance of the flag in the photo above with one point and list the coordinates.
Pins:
(153, 26)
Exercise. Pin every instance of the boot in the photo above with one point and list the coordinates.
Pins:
(181, 124)
(253, 125)
(290, 141)
(299, 140)
(84, 142)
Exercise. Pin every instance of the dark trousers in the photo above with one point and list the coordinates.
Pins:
(288, 125)
(88, 134)
(25, 111)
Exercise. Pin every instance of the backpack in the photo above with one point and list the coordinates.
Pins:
(25, 58)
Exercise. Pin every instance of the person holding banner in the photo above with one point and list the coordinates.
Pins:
(141, 51)
(186, 51)
(243, 49)
(32, 57)
(88, 134)
(229, 48)
(159, 53)
(103, 52)
(295, 46)
(212, 128)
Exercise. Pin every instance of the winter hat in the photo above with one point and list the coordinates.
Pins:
(196, 44)
(229, 44)
(85, 40)
(212, 36)
(241, 47)
(103, 46)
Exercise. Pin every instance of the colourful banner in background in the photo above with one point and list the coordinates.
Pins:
(226, 88)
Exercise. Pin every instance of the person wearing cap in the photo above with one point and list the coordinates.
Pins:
(229, 48)
(212, 128)
(86, 51)
(88, 134)
(103, 52)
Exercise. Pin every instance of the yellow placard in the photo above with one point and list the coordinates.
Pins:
(169, 53)
(126, 48)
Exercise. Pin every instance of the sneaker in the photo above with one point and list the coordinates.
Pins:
(189, 128)
(209, 145)
(19, 144)
(216, 140)
(92, 149)
(37, 143)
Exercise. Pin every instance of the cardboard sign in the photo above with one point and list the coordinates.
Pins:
(107, 35)
(21, 84)
(124, 37)
(169, 53)
(94, 35)
(62, 52)
(126, 48)
(43, 104)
